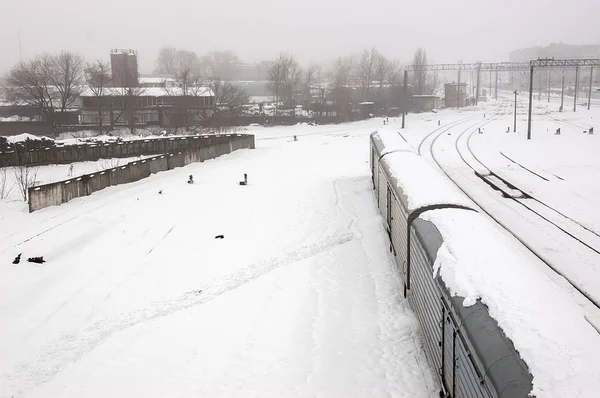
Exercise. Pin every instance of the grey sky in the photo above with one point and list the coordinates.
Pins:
(313, 30)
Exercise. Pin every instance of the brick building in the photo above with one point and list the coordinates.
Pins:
(166, 107)
(455, 95)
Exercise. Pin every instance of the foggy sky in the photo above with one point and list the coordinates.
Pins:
(313, 30)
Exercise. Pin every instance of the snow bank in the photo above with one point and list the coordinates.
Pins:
(421, 183)
(548, 329)
(15, 118)
(23, 137)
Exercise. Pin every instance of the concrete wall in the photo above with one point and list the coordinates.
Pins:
(62, 191)
(86, 153)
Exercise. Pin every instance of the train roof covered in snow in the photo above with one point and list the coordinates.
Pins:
(420, 185)
(480, 264)
(387, 141)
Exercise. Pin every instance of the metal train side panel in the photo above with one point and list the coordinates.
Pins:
(398, 234)
(448, 337)
(424, 298)
(468, 383)
(374, 160)
(382, 195)
(478, 359)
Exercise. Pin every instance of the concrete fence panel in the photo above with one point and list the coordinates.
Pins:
(158, 163)
(72, 189)
(122, 175)
(81, 153)
(176, 160)
(98, 181)
(63, 191)
(44, 196)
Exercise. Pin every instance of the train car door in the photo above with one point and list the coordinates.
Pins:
(389, 211)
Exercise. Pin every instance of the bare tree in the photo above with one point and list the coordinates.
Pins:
(420, 76)
(342, 71)
(293, 77)
(49, 83)
(184, 89)
(433, 83)
(341, 91)
(219, 63)
(4, 188)
(24, 177)
(229, 100)
(367, 69)
(396, 85)
(383, 69)
(312, 76)
(67, 77)
(277, 76)
(97, 77)
(165, 63)
(395, 72)
(186, 70)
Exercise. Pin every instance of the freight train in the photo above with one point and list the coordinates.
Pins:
(422, 210)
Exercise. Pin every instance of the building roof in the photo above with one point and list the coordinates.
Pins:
(154, 92)
(154, 79)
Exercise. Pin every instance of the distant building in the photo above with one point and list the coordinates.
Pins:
(455, 95)
(161, 106)
(124, 68)
(425, 103)
(156, 81)
(246, 72)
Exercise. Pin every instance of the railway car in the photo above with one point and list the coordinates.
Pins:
(464, 344)
(383, 143)
(408, 185)
(469, 352)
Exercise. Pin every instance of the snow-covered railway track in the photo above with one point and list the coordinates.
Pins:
(574, 256)
(566, 224)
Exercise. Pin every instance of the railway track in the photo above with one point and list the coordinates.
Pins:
(566, 224)
(569, 229)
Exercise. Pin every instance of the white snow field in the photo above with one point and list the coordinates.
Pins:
(138, 298)
(56, 172)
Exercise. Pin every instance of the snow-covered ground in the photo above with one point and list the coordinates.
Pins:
(52, 173)
(139, 298)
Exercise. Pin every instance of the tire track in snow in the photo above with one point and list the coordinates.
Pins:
(72, 347)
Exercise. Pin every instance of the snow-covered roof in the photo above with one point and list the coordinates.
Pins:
(420, 183)
(161, 92)
(387, 140)
(477, 260)
(24, 137)
(153, 92)
(154, 79)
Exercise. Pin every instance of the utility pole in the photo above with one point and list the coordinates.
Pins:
(530, 100)
(458, 91)
(548, 78)
(496, 87)
(477, 92)
(562, 93)
(490, 84)
(515, 126)
(405, 89)
(576, 89)
(590, 91)
(539, 86)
